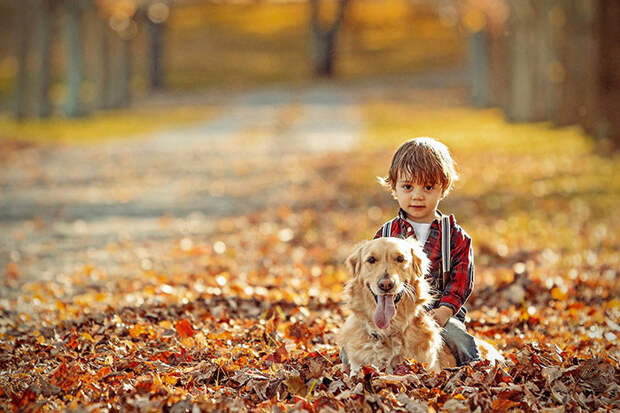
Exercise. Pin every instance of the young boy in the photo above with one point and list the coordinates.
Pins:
(421, 175)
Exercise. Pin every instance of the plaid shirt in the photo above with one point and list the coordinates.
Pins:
(461, 278)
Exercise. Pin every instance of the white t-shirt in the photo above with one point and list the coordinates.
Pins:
(421, 230)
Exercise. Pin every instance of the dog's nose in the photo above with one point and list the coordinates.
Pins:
(385, 284)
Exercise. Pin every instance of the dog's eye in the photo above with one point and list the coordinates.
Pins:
(400, 258)
(371, 260)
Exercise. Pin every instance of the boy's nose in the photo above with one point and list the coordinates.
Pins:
(417, 194)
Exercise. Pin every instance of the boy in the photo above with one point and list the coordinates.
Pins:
(422, 173)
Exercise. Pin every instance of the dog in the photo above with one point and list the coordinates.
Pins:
(389, 321)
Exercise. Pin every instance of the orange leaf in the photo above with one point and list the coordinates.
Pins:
(137, 330)
(558, 294)
(169, 379)
(12, 271)
(88, 337)
(184, 328)
(104, 371)
(165, 324)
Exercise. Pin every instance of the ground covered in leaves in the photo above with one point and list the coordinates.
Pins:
(252, 325)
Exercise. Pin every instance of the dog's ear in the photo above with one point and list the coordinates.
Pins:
(354, 261)
(420, 264)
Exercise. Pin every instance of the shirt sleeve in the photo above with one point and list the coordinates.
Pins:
(461, 281)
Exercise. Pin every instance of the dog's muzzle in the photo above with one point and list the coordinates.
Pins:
(396, 299)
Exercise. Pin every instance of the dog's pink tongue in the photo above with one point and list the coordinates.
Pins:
(385, 310)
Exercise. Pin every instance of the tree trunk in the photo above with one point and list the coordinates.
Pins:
(588, 112)
(45, 33)
(478, 66)
(22, 46)
(124, 96)
(570, 48)
(609, 57)
(548, 64)
(73, 14)
(103, 90)
(498, 64)
(324, 40)
(156, 37)
(522, 56)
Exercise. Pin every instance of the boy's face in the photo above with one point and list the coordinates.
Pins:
(419, 201)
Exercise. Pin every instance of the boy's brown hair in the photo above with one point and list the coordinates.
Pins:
(423, 161)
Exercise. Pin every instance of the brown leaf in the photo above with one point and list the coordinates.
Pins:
(597, 374)
(295, 384)
(502, 405)
(280, 355)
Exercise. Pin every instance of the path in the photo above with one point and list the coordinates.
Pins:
(64, 207)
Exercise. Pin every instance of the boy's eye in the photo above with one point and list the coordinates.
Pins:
(371, 260)
(429, 187)
(407, 187)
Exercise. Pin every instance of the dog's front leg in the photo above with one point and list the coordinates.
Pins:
(396, 357)
(432, 362)
(355, 368)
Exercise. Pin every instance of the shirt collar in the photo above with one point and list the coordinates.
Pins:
(403, 215)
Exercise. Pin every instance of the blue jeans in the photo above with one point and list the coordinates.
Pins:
(460, 342)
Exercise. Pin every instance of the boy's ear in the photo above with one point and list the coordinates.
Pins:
(354, 261)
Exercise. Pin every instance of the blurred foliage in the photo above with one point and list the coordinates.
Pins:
(248, 44)
(102, 126)
(253, 43)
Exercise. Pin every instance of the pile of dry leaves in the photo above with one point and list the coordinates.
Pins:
(250, 325)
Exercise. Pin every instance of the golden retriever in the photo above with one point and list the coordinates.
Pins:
(387, 297)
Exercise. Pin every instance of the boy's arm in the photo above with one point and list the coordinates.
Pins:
(461, 281)
(442, 314)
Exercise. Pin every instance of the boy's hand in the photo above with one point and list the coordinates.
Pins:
(442, 314)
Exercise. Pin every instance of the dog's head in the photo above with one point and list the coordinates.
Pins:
(386, 271)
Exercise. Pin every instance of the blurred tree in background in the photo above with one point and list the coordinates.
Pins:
(538, 60)
(86, 40)
(324, 39)
(549, 60)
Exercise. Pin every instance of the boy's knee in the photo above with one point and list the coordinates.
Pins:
(460, 342)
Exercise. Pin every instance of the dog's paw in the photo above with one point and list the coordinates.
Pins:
(395, 362)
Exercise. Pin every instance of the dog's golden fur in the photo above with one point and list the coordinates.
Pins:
(411, 332)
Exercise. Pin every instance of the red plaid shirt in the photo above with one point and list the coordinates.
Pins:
(461, 279)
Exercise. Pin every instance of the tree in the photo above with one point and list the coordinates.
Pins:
(324, 39)
(23, 45)
(44, 43)
(124, 84)
(607, 123)
(156, 14)
(73, 13)
(116, 50)
(522, 55)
